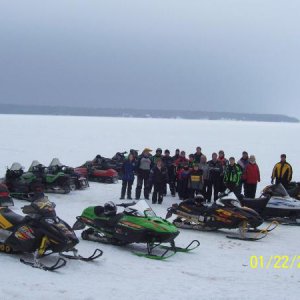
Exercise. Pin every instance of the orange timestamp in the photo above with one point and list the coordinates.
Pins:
(275, 262)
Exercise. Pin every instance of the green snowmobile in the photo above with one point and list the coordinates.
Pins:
(58, 183)
(137, 223)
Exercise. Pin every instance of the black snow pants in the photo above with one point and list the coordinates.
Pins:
(142, 178)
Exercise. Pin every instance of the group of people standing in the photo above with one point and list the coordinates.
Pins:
(192, 175)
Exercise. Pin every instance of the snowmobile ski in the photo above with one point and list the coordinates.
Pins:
(36, 264)
(190, 247)
(269, 228)
(151, 247)
(97, 253)
(291, 223)
(250, 239)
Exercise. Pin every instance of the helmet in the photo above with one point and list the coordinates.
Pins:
(159, 150)
(110, 209)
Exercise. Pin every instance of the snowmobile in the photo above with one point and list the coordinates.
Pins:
(58, 183)
(5, 199)
(77, 181)
(91, 171)
(22, 185)
(223, 214)
(41, 232)
(275, 204)
(136, 223)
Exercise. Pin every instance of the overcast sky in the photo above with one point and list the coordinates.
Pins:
(214, 55)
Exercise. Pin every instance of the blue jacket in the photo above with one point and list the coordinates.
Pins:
(128, 170)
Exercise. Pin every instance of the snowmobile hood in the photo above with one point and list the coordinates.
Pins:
(16, 167)
(155, 224)
(284, 203)
(55, 162)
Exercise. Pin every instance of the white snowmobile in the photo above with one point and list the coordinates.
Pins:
(275, 204)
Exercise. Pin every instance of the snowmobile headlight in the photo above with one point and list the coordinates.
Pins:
(50, 221)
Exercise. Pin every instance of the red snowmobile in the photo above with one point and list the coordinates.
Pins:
(92, 171)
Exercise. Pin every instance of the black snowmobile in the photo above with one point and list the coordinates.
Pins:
(223, 214)
(5, 199)
(276, 204)
(22, 185)
(58, 183)
(77, 181)
(137, 223)
(40, 233)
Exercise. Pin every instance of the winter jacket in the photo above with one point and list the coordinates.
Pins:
(196, 180)
(197, 157)
(251, 174)
(232, 174)
(223, 161)
(182, 174)
(144, 163)
(159, 176)
(155, 158)
(205, 169)
(215, 170)
(243, 163)
(169, 164)
(282, 172)
(181, 161)
(128, 170)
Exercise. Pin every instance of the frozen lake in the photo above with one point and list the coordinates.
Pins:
(218, 269)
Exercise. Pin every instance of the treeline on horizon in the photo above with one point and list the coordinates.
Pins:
(141, 113)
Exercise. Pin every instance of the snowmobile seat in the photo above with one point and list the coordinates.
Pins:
(114, 220)
(99, 210)
(258, 204)
(11, 216)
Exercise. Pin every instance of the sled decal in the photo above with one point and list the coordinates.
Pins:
(5, 224)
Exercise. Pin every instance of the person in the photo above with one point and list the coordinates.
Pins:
(182, 182)
(243, 162)
(181, 160)
(169, 164)
(198, 155)
(282, 172)
(232, 177)
(191, 161)
(177, 154)
(143, 167)
(251, 177)
(224, 162)
(157, 156)
(128, 177)
(203, 166)
(158, 178)
(215, 172)
(195, 181)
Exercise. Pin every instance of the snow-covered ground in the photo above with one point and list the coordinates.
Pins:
(218, 269)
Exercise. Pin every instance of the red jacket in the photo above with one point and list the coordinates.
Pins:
(251, 174)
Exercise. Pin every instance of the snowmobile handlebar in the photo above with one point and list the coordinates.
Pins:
(126, 204)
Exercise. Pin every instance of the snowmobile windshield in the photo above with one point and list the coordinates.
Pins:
(16, 167)
(279, 190)
(228, 202)
(140, 209)
(41, 206)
